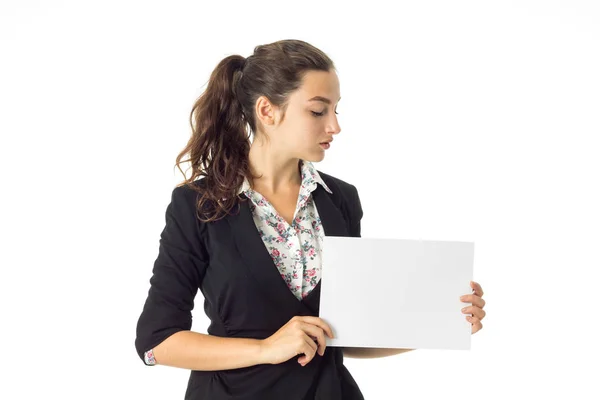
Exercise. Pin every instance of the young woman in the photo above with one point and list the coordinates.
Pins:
(247, 227)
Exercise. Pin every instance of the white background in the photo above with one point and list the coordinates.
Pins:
(462, 120)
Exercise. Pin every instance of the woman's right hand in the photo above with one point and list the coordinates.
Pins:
(297, 336)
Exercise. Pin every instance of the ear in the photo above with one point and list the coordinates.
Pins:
(267, 113)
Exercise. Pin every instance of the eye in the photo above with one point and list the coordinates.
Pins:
(320, 114)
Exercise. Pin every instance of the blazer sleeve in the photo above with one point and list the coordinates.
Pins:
(356, 212)
(176, 275)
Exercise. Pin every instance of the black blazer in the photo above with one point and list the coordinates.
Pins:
(244, 296)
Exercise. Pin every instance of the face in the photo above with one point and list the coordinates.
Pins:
(309, 119)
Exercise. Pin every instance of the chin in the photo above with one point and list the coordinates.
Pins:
(314, 158)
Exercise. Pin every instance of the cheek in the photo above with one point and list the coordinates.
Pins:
(314, 129)
(310, 137)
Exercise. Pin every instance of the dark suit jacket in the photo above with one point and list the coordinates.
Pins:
(244, 296)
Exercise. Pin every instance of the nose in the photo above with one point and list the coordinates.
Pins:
(334, 127)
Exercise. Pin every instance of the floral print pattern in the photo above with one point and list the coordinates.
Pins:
(295, 249)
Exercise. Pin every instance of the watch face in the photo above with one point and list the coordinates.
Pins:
(149, 358)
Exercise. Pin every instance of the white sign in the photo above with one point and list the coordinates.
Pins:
(396, 293)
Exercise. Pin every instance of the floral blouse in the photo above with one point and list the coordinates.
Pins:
(295, 249)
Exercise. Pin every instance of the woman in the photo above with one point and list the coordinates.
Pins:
(249, 235)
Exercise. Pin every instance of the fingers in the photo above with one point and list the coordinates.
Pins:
(475, 327)
(309, 349)
(312, 328)
(476, 324)
(477, 288)
(475, 311)
(318, 322)
(474, 299)
(313, 331)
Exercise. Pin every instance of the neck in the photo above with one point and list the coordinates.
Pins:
(279, 174)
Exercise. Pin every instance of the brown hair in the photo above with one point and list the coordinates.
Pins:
(219, 145)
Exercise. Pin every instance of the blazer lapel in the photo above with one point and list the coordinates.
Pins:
(334, 224)
(260, 264)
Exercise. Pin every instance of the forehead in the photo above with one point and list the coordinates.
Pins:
(319, 85)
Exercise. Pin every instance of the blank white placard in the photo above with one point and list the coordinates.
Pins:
(396, 293)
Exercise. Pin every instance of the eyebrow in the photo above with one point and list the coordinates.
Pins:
(321, 98)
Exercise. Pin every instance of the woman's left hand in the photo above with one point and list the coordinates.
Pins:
(476, 309)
